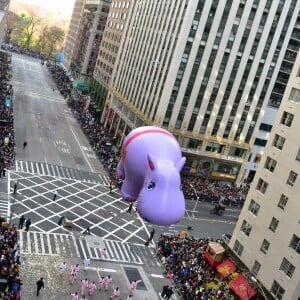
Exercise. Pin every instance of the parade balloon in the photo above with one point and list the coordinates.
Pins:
(150, 169)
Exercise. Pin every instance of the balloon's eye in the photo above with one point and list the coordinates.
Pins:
(151, 186)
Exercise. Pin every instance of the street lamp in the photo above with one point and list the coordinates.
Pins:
(259, 287)
(197, 198)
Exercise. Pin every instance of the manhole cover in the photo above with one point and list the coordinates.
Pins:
(78, 160)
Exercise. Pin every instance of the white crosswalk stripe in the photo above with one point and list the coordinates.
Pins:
(46, 169)
(52, 244)
(116, 251)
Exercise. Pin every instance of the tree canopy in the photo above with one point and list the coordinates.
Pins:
(32, 32)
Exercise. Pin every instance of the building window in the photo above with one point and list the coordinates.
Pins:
(238, 248)
(255, 268)
(246, 227)
(273, 224)
(282, 201)
(277, 290)
(262, 186)
(287, 119)
(287, 268)
(270, 164)
(292, 178)
(239, 152)
(278, 141)
(265, 127)
(295, 95)
(260, 142)
(265, 246)
(295, 243)
(215, 147)
(298, 155)
(254, 207)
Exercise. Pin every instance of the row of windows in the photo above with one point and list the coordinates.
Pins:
(214, 147)
(112, 36)
(114, 25)
(110, 47)
(286, 266)
(120, 4)
(117, 15)
(107, 57)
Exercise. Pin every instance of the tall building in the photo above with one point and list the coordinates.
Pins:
(265, 127)
(204, 70)
(114, 31)
(70, 41)
(89, 36)
(267, 235)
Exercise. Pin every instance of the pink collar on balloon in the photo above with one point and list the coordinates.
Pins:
(137, 134)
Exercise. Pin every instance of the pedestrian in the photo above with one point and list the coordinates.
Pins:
(76, 268)
(103, 253)
(101, 283)
(55, 194)
(130, 207)
(15, 187)
(169, 293)
(150, 237)
(82, 297)
(21, 222)
(63, 267)
(74, 296)
(87, 231)
(164, 291)
(72, 276)
(39, 284)
(133, 285)
(3, 172)
(24, 145)
(86, 262)
(116, 293)
(110, 186)
(84, 285)
(130, 297)
(27, 224)
(107, 281)
(92, 287)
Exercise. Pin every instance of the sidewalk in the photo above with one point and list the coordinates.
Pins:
(58, 287)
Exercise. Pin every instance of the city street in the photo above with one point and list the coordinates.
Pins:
(58, 158)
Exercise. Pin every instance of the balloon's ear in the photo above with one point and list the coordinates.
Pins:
(151, 162)
(180, 163)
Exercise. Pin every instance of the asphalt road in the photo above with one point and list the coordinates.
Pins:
(59, 158)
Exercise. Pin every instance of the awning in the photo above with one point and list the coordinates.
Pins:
(242, 288)
(226, 268)
(80, 85)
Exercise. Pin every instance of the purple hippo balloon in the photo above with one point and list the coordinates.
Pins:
(150, 169)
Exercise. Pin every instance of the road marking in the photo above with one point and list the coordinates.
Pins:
(157, 275)
(84, 155)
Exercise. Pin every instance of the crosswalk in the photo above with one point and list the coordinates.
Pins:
(56, 244)
(4, 198)
(60, 171)
(117, 251)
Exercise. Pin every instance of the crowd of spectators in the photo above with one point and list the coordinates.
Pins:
(185, 265)
(7, 142)
(10, 282)
(213, 190)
